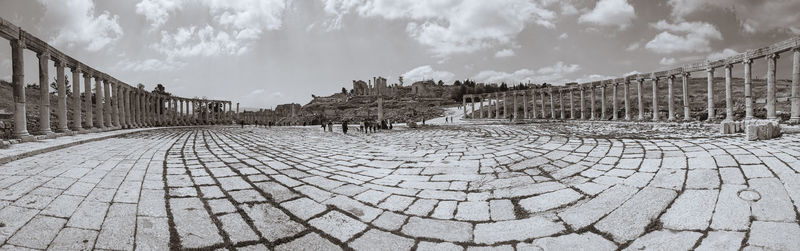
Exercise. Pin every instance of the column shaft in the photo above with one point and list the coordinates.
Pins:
(654, 105)
(107, 109)
(670, 100)
(640, 101)
(728, 93)
(626, 95)
(591, 99)
(76, 98)
(61, 106)
(44, 91)
(685, 94)
(18, 80)
(524, 105)
(795, 96)
(571, 104)
(583, 100)
(87, 99)
(614, 102)
(98, 93)
(710, 88)
(748, 95)
(602, 101)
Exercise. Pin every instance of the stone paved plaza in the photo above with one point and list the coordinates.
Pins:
(460, 187)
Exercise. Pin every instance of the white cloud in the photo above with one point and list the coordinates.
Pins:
(667, 61)
(504, 53)
(79, 25)
(753, 16)
(727, 52)
(426, 72)
(632, 47)
(554, 73)
(194, 41)
(692, 37)
(235, 27)
(452, 27)
(610, 13)
(148, 65)
(634, 72)
(157, 11)
(563, 36)
(591, 78)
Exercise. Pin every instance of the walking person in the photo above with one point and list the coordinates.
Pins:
(344, 127)
(323, 126)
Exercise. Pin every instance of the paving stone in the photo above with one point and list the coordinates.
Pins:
(396, 203)
(774, 235)
(629, 220)
(193, 223)
(38, 232)
(666, 240)
(118, 228)
(731, 212)
(721, 240)
(550, 200)
(775, 204)
(501, 210)
(236, 228)
(74, 239)
(421, 207)
(390, 221)
(691, 210)
(473, 211)
(338, 225)
(445, 230)
(518, 230)
(569, 242)
(152, 233)
(444, 210)
(272, 222)
(379, 240)
(363, 212)
(702, 179)
(585, 214)
(89, 215)
(63, 206)
(308, 242)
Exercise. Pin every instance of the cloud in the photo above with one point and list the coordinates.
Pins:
(632, 47)
(157, 11)
(591, 78)
(194, 41)
(691, 37)
(610, 13)
(553, 73)
(753, 16)
(451, 27)
(504, 53)
(79, 26)
(235, 26)
(727, 52)
(563, 36)
(667, 61)
(148, 65)
(426, 72)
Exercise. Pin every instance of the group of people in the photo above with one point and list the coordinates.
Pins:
(329, 126)
(367, 126)
(448, 119)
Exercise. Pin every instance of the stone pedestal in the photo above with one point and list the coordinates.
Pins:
(730, 127)
(761, 129)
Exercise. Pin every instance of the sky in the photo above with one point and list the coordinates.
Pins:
(270, 52)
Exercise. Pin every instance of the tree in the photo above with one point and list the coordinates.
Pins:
(344, 90)
(400, 78)
(457, 83)
(503, 87)
(441, 83)
(54, 85)
(161, 90)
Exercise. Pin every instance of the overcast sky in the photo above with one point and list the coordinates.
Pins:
(264, 53)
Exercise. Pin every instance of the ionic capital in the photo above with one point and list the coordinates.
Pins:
(773, 56)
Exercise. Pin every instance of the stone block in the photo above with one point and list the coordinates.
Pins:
(730, 127)
(762, 129)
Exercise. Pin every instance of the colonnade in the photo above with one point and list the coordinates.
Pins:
(117, 104)
(639, 82)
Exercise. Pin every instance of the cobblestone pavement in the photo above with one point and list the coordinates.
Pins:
(440, 188)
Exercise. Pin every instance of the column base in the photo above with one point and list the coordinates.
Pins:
(794, 120)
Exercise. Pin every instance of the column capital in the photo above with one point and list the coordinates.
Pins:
(59, 62)
(728, 66)
(773, 55)
(671, 77)
(709, 69)
(43, 54)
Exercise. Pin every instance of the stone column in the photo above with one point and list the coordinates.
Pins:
(480, 108)
(614, 102)
(44, 91)
(583, 101)
(18, 79)
(685, 87)
(533, 104)
(464, 104)
(107, 103)
(571, 103)
(603, 101)
(126, 114)
(561, 103)
(524, 104)
(61, 107)
(771, 68)
(76, 98)
(710, 89)
(98, 98)
(515, 114)
(748, 96)
(541, 93)
(87, 93)
(728, 93)
(591, 99)
(505, 106)
(639, 84)
(795, 113)
(654, 105)
(626, 96)
(552, 103)
(472, 106)
(134, 103)
(117, 111)
(497, 106)
(670, 100)
(181, 118)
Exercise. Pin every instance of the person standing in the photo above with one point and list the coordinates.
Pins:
(344, 127)
(323, 126)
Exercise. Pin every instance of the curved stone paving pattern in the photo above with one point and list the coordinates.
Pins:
(446, 188)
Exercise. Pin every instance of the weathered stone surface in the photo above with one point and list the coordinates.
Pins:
(691, 210)
(570, 242)
(666, 240)
(774, 235)
(338, 225)
(438, 229)
(550, 200)
(629, 220)
(490, 233)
